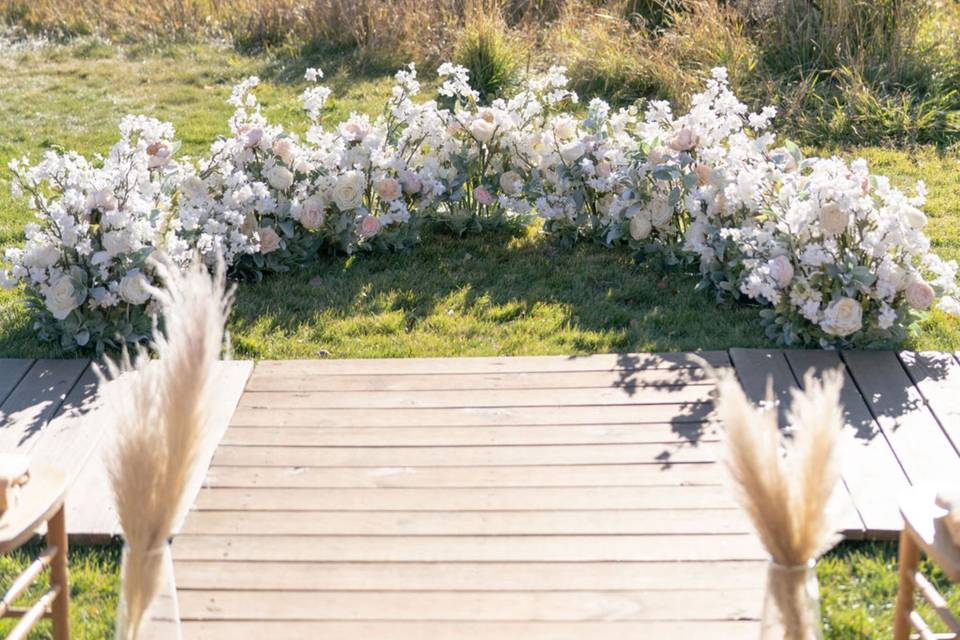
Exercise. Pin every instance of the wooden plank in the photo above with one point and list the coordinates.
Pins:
(277, 379)
(488, 605)
(493, 416)
(870, 470)
(509, 364)
(937, 376)
(228, 455)
(471, 436)
(482, 398)
(482, 523)
(559, 548)
(923, 449)
(69, 440)
(35, 400)
(624, 475)
(12, 371)
(460, 630)
(466, 576)
(466, 499)
(758, 368)
(94, 516)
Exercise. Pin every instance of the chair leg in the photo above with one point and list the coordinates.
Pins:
(909, 560)
(57, 537)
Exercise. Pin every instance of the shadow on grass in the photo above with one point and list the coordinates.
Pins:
(482, 295)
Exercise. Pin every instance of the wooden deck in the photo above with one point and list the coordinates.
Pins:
(536, 497)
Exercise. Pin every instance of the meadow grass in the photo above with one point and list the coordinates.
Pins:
(483, 295)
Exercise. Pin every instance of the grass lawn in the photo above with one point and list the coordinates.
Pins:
(485, 295)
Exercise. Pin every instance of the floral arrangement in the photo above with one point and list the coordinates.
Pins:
(832, 254)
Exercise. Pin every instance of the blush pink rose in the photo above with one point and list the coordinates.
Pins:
(920, 295)
(369, 227)
(483, 196)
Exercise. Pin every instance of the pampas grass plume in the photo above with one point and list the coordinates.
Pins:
(159, 409)
(784, 485)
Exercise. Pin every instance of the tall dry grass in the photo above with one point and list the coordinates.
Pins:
(159, 410)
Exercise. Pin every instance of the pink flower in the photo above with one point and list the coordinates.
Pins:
(369, 226)
(919, 294)
(483, 196)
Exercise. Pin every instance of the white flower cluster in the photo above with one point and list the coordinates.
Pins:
(836, 255)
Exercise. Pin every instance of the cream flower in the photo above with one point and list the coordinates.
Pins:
(62, 297)
(572, 151)
(833, 219)
(781, 270)
(842, 317)
(684, 140)
(134, 288)
(482, 129)
(511, 183)
(348, 191)
(411, 182)
(269, 240)
(388, 189)
(279, 177)
(285, 149)
(640, 227)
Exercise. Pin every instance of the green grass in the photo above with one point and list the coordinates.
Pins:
(94, 587)
(492, 294)
(485, 295)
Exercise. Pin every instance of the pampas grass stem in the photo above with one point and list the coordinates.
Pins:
(784, 485)
(159, 411)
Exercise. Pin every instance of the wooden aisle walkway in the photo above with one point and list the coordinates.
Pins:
(551, 498)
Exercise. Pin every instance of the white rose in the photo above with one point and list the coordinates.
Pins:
(914, 217)
(388, 189)
(269, 240)
(279, 177)
(919, 294)
(42, 257)
(312, 214)
(781, 270)
(833, 219)
(661, 213)
(572, 151)
(511, 183)
(640, 227)
(116, 242)
(355, 129)
(348, 191)
(134, 288)
(564, 128)
(842, 317)
(285, 149)
(482, 129)
(61, 297)
(684, 140)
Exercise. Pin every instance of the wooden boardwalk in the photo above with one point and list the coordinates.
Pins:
(534, 497)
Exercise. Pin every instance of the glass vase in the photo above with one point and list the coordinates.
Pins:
(148, 608)
(791, 607)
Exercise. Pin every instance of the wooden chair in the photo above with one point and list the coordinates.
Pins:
(924, 531)
(40, 501)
